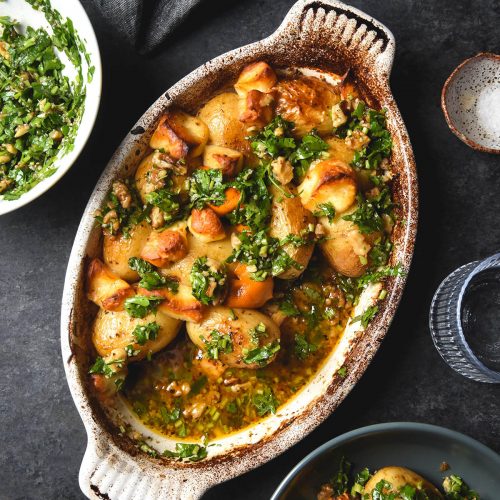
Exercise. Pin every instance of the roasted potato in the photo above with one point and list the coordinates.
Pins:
(290, 217)
(179, 135)
(329, 181)
(163, 248)
(256, 76)
(221, 114)
(118, 249)
(112, 332)
(307, 102)
(398, 477)
(179, 305)
(339, 150)
(228, 160)
(239, 331)
(345, 247)
(105, 288)
(244, 292)
(205, 225)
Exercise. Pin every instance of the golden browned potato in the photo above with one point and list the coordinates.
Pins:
(289, 217)
(228, 160)
(339, 150)
(398, 477)
(345, 247)
(118, 249)
(221, 114)
(329, 181)
(179, 135)
(244, 332)
(112, 332)
(163, 248)
(307, 102)
(179, 305)
(256, 76)
(105, 288)
(205, 225)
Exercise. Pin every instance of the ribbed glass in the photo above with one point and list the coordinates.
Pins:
(445, 322)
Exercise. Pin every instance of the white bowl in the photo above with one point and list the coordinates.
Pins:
(26, 15)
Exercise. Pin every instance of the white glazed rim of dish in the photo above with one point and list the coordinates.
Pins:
(92, 100)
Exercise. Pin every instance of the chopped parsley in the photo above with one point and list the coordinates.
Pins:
(340, 481)
(187, 451)
(366, 216)
(276, 139)
(144, 333)
(265, 402)
(254, 207)
(325, 210)
(257, 333)
(302, 347)
(207, 282)
(261, 355)
(151, 279)
(310, 148)
(140, 305)
(103, 367)
(217, 344)
(264, 253)
(455, 488)
(342, 372)
(288, 307)
(170, 204)
(206, 186)
(114, 218)
(367, 316)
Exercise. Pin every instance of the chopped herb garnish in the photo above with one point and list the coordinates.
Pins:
(198, 385)
(288, 307)
(310, 148)
(367, 316)
(265, 402)
(41, 108)
(217, 344)
(151, 279)
(261, 354)
(206, 186)
(170, 204)
(207, 281)
(144, 333)
(141, 305)
(455, 488)
(187, 451)
(325, 210)
(366, 216)
(302, 347)
(102, 367)
(274, 139)
(342, 371)
(340, 481)
(263, 252)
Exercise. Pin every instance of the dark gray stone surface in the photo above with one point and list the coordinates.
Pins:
(42, 438)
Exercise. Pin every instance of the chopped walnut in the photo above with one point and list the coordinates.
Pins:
(4, 50)
(120, 190)
(357, 139)
(282, 170)
(21, 130)
(157, 219)
(111, 218)
(178, 389)
(195, 411)
(164, 161)
(4, 184)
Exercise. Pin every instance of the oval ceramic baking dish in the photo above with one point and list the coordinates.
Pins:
(321, 34)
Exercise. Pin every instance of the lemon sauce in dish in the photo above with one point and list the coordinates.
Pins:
(234, 257)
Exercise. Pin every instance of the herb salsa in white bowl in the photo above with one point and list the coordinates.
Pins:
(50, 88)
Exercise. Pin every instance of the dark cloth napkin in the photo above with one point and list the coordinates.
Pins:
(145, 23)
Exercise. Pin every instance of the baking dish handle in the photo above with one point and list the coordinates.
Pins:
(329, 23)
(108, 472)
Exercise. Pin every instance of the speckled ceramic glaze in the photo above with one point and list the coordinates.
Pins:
(471, 102)
(323, 34)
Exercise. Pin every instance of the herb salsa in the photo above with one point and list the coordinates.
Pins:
(40, 107)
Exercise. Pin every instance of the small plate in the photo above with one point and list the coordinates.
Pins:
(470, 100)
(420, 447)
(22, 12)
